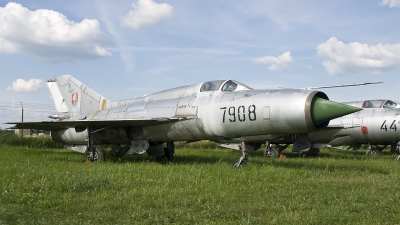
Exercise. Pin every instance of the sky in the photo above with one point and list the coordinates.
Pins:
(136, 47)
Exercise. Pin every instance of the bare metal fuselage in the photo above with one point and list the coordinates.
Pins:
(376, 126)
(245, 115)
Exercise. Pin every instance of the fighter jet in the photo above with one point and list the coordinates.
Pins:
(376, 125)
(220, 110)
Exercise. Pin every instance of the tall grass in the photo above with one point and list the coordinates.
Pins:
(52, 186)
(11, 139)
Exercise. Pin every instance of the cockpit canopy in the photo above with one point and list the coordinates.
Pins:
(224, 85)
(378, 103)
(386, 104)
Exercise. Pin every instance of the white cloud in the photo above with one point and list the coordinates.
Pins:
(356, 58)
(20, 85)
(49, 35)
(146, 12)
(275, 63)
(391, 3)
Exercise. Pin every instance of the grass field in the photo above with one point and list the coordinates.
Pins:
(200, 187)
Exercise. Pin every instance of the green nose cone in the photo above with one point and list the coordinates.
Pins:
(323, 110)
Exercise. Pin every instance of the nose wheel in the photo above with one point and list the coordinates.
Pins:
(241, 162)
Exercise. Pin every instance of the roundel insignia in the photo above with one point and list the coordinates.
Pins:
(364, 130)
(74, 98)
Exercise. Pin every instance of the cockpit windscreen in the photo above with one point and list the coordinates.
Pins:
(372, 104)
(228, 86)
(211, 85)
(390, 105)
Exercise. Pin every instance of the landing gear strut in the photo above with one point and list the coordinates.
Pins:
(93, 154)
(245, 147)
(268, 148)
(374, 150)
(243, 159)
(393, 148)
(169, 152)
(398, 152)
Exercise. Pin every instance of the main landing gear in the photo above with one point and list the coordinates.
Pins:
(312, 152)
(93, 154)
(303, 147)
(397, 151)
(169, 153)
(375, 149)
(96, 155)
(274, 151)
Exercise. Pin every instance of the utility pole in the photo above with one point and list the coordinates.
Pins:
(21, 131)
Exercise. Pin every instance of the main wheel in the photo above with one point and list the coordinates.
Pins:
(310, 153)
(274, 152)
(374, 151)
(170, 151)
(98, 155)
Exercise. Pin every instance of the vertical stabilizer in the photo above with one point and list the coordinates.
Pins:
(70, 95)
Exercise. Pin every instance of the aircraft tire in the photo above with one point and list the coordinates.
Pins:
(99, 155)
(236, 164)
(170, 151)
(374, 151)
(313, 152)
(274, 152)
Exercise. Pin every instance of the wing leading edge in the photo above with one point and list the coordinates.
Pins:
(60, 125)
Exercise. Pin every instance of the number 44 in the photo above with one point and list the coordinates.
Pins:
(392, 126)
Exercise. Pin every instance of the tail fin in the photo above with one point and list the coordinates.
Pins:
(70, 95)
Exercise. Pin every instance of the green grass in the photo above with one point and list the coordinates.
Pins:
(339, 187)
(11, 139)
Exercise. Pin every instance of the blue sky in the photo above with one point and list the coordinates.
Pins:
(137, 47)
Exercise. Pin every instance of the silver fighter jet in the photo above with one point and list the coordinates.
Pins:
(224, 111)
(377, 125)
